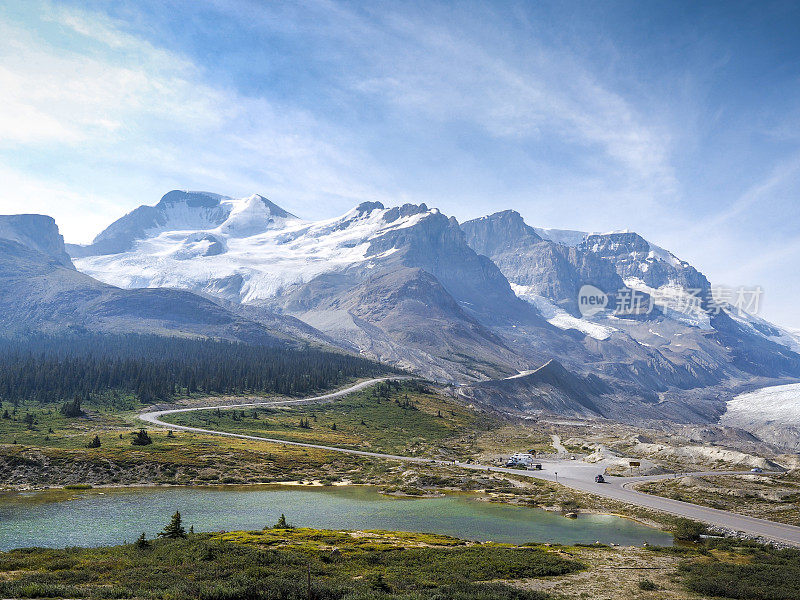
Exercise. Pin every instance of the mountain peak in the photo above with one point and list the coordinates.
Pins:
(38, 232)
(194, 199)
(366, 207)
(194, 211)
(491, 234)
(274, 209)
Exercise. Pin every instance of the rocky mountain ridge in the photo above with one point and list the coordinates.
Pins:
(460, 303)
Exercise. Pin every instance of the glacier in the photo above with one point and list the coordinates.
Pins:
(244, 249)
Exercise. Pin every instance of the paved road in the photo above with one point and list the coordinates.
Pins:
(577, 475)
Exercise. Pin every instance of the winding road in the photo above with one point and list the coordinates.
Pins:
(576, 475)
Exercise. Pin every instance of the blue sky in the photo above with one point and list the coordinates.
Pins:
(680, 120)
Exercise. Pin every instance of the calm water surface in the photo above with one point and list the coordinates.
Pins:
(112, 516)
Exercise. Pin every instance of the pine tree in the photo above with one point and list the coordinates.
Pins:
(175, 528)
(282, 524)
(142, 542)
(95, 443)
(72, 409)
(333, 427)
(141, 438)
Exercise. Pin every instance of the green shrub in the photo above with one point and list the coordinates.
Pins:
(141, 438)
(688, 531)
(647, 585)
(767, 574)
(206, 567)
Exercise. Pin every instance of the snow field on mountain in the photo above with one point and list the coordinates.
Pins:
(262, 254)
(559, 317)
(778, 404)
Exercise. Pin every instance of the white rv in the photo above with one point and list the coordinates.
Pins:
(521, 458)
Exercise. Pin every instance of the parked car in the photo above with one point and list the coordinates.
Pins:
(756, 470)
(599, 479)
(535, 467)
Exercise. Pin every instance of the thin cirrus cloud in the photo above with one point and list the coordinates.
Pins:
(117, 104)
(549, 93)
(111, 107)
(532, 95)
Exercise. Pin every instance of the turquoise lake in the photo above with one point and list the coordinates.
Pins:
(101, 517)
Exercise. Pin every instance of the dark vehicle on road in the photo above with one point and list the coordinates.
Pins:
(599, 479)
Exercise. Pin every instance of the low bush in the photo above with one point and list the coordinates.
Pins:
(756, 573)
(208, 567)
(688, 530)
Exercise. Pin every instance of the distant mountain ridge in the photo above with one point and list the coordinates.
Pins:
(42, 292)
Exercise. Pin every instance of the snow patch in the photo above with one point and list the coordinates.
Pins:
(559, 317)
(780, 335)
(677, 303)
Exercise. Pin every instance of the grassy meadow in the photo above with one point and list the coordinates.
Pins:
(406, 420)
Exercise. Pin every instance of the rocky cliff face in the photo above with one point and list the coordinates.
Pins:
(38, 232)
(549, 269)
(404, 316)
(438, 246)
(499, 233)
(635, 257)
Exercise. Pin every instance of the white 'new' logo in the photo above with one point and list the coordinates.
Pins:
(591, 300)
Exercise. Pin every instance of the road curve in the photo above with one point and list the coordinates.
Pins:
(577, 476)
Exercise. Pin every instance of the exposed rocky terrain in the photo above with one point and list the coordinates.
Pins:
(472, 305)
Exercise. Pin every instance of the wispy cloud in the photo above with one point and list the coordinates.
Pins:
(545, 94)
(108, 98)
(786, 172)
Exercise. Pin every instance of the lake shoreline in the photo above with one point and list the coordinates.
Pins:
(468, 515)
(477, 495)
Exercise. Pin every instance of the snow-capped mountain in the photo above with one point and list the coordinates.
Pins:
(41, 291)
(188, 211)
(547, 267)
(245, 249)
(374, 277)
(486, 299)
